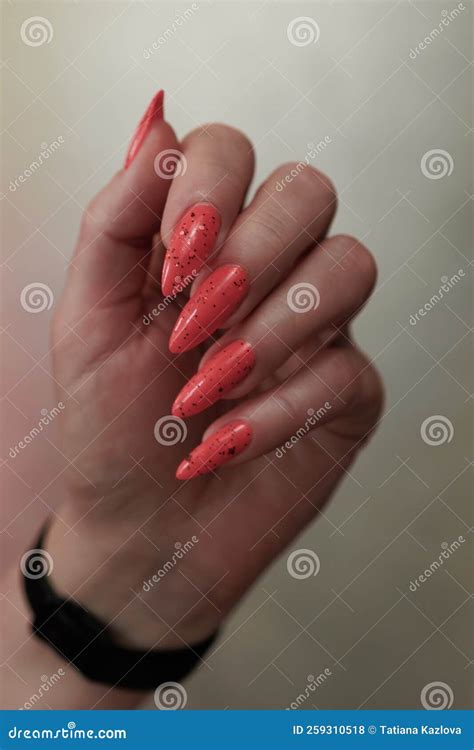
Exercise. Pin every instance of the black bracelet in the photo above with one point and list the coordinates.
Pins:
(87, 643)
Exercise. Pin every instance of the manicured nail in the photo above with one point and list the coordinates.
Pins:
(192, 241)
(217, 450)
(214, 302)
(215, 379)
(154, 112)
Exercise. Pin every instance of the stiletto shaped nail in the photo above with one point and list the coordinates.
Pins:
(217, 450)
(193, 240)
(214, 302)
(153, 112)
(215, 379)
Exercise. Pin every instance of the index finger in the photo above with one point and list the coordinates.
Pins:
(204, 200)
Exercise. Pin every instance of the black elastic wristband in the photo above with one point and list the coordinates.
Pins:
(87, 643)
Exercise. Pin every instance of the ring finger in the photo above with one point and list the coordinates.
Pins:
(285, 415)
(324, 290)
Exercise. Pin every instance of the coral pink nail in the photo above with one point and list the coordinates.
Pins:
(214, 302)
(215, 379)
(217, 450)
(192, 241)
(153, 112)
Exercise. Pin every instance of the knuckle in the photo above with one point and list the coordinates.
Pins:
(345, 368)
(267, 226)
(375, 390)
(359, 382)
(95, 216)
(353, 255)
(305, 179)
(318, 182)
(223, 138)
(287, 403)
(228, 134)
(370, 396)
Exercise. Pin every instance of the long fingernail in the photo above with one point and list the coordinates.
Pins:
(217, 450)
(193, 240)
(153, 112)
(215, 379)
(214, 302)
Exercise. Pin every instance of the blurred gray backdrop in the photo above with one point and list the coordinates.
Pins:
(378, 95)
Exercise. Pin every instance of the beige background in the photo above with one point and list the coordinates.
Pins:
(382, 111)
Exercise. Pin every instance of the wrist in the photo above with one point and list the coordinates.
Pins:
(107, 569)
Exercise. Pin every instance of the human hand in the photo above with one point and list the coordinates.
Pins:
(289, 293)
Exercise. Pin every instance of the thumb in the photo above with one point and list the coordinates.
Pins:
(116, 237)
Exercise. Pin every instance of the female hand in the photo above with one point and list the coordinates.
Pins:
(285, 292)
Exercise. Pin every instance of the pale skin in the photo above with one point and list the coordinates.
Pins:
(123, 510)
